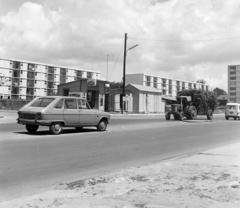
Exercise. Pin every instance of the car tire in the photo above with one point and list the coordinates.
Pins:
(102, 125)
(168, 116)
(79, 128)
(55, 128)
(235, 118)
(31, 128)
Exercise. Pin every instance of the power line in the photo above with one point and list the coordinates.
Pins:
(185, 40)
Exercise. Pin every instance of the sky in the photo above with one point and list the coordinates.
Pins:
(179, 39)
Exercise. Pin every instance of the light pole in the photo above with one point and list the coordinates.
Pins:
(124, 69)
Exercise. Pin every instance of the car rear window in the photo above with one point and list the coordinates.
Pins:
(42, 102)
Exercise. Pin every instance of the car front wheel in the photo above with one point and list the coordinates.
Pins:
(31, 128)
(55, 128)
(102, 125)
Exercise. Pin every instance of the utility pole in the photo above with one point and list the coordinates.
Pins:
(124, 72)
(107, 67)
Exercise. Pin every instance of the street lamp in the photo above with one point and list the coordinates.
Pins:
(124, 68)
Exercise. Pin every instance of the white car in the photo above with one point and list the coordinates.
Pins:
(61, 111)
(232, 110)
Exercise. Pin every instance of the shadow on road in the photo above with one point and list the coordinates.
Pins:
(65, 131)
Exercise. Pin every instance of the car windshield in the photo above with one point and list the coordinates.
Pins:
(232, 107)
(42, 102)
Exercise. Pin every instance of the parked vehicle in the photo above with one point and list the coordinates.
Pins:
(232, 110)
(190, 103)
(60, 111)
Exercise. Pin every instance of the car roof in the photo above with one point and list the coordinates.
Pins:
(62, 97)
(233, 103)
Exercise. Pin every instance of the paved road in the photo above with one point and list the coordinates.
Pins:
(29, 163)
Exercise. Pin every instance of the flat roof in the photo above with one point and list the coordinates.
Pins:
(145, 88)
(146, 74)
(52, 65)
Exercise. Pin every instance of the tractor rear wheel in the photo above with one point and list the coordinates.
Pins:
(209, 115)
(167, 116)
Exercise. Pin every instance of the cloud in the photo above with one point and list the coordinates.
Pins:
(181, 39)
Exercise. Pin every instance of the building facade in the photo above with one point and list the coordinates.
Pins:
(168, 87)
(26, 80)
(93, 92)
(234, 83)
(138, 99)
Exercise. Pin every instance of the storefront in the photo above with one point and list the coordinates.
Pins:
(92, 90)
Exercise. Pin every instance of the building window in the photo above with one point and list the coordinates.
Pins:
(164, 84)
(178, 86)
(189, 85)
(63, 72)
(232, 93)
(148, 81)
(51, 70)
(232, 67)
(233, 78)
(31, 67)
(16, 65)
(170, 89)
(155, 82)
(233, 73)
(164, 91)
(16, 73)
(183, 85)
(233, 88)
(79, 75)
(89, 75)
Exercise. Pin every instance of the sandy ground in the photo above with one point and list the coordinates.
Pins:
(208, 179)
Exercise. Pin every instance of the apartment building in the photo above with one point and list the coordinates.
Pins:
(234, 83)
(26, 80)
(168, 87)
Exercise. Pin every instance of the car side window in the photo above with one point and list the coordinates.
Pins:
(82, 104)
(59, 104)
(70, 103)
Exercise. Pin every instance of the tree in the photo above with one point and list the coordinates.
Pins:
(218, 91)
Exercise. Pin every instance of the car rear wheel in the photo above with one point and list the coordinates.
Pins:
(226, 117)
(102, 125)
(55, 128)
(31, 128)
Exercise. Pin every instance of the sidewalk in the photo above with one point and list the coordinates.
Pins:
(207, 179)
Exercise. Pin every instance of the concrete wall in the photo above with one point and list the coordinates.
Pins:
(134, 79)
(146, 102)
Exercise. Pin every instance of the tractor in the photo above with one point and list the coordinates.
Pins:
(190, 103)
